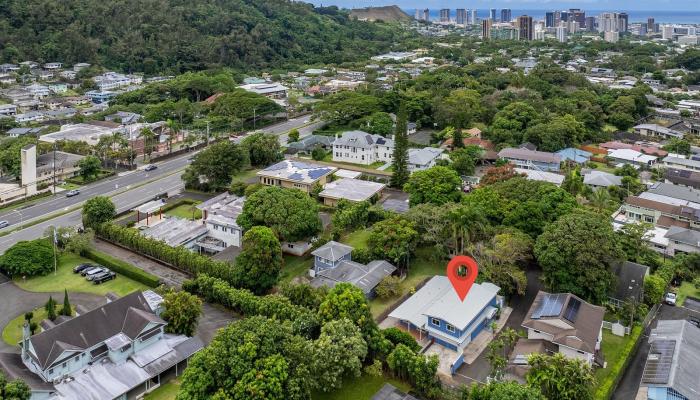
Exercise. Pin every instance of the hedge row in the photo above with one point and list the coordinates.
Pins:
(178, 257)
(123, 268)
(607, 387)
(244, 302)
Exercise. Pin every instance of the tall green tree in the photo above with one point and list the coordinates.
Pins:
(400, 158)
(339, 352)
(98, 210)
(561, 378)
(89, 167)
(436, 185)
(28, 258)
(259, 265)
(50, 308)
(577, 253)
(263, 149)
(66, 310)
(182, 312)
(214, 167)
(393, 239)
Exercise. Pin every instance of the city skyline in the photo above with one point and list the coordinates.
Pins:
(597, 5)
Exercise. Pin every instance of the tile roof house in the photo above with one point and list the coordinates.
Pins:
(360, 147)
(673, 362)
(119, 350)
(531, 159)
(567, 321)
(300, 175)
(333, 264)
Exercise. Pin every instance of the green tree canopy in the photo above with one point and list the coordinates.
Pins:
(89, 168)
(560, 377)
(290, 213)
(98, 210)
(260, 262)
(460, 109)
(214, 167)
(182, 311)
(28, 258)
(263, 149)
(436, 185)
(393, 239)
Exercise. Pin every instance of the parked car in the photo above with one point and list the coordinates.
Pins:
(4, 224)
(72, 193)
(82, 267)
(670, 299)
(695, 321)
(86, 270)
(104, 277)
(92, 272)
(150, 167)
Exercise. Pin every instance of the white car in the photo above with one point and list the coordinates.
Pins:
(670, 299)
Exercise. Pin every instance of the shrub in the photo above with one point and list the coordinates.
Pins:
(28, 258)
(123, 268)
(397, 336)
(606, 387)
(388, 287)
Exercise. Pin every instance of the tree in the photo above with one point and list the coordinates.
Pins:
(255, 358)
(498, 174)
(654, 289)
(459, 109)
(182, 311)
(388, 287)
(558, 133)
(263, 149)
(214, 167)
(260, 262)
(560, 378)
(400, 156)
(293, 136)
(98, 210)
(600, 199)
(393, 239)
(338, 352)
(290, 213)
(318, 154)
(511, 122)
(303, 294)
(503, 391)
(498, 351)
(502, 258)
(457, 139)
(149, 142)
(577, 253)
(464, 159)
(379, 123)
(80, 243)
(14, 390)
(436, 185)
(418, 369)
(28, 258)
(50, 308)
(66, 309)
(342, 108)
(678, 146)
(347, 301)
(573, 182)
(397, 336)
(89, 168)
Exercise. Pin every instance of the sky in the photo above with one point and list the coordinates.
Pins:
(621, 5)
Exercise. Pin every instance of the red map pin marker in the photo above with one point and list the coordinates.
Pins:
(462, 272)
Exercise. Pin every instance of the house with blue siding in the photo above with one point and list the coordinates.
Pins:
(673, 362)
(531, 159)
(435, 311)
(330, 255)
(117, 351)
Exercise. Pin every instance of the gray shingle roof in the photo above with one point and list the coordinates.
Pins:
(525, 154)
(351, 189)
(362, 139)
(366, 277)
(332, 251)
(630, 280)
(683, 235)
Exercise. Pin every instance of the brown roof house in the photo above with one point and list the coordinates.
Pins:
(568, 322)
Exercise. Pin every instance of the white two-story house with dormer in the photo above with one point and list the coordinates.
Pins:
(360, 147)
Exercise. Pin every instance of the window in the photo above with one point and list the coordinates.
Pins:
(77, 358)
(536, 331)
(435, 321)
(450, 328)
(51, 371)
(648, 218)
(65, 365)
(580, 352)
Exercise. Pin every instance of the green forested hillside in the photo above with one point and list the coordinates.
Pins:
(178, 35)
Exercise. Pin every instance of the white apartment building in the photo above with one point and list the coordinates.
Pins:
(360, 147)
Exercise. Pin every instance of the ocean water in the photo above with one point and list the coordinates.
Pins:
(672, 17)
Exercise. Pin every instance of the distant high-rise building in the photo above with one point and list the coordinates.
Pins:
(650, 25)
(608, 22)
(504, 31)
(422, 15)
(576, 14)
(461, 18)
(564, 16)
(492, 14)
(525, 27)
(445, 15)
(473, 17)
(539, 32)
(643, 30)
(623, 22)
(486, 25)
(590, 24)
(561, 34)
(611, 36)
(572, 26)
(549, 19)
(506, 15)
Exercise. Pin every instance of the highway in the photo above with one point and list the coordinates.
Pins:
(127, 191)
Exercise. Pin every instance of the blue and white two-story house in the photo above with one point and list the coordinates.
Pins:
(330, 255)
(436, 311)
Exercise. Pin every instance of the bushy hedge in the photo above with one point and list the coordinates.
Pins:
(123, 268)
(243, 301)
(178, 257)
(607, 387)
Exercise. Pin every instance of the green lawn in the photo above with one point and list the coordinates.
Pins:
(165, 392)
(185, 211)
(615, 351)
(248, 176)
(69, 186)
(603, 167)
(687, 289)
(12, 332)
(78, 180)
(295, 266)
(421, 267)
(362, 388)
(66, 279)
(357, 239)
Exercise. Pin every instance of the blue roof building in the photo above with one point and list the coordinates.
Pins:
(576, 155)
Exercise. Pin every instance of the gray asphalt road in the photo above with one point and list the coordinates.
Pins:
(303, 124)
(124, 201)
(106, 187)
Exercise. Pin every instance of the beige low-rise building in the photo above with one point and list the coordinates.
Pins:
(294, 174)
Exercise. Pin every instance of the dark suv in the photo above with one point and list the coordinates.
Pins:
(104, 277)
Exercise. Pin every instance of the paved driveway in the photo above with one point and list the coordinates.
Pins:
(16, 301)
(629, 384)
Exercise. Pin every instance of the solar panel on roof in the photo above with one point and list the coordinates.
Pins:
(550, 306)
(572, 309)
(381, 141)
(296, 176)
(276, 167)
(317, 173)
(658, 366)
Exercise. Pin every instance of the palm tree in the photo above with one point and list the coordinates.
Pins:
(172, 131)
(148, 136)
(600, 199)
